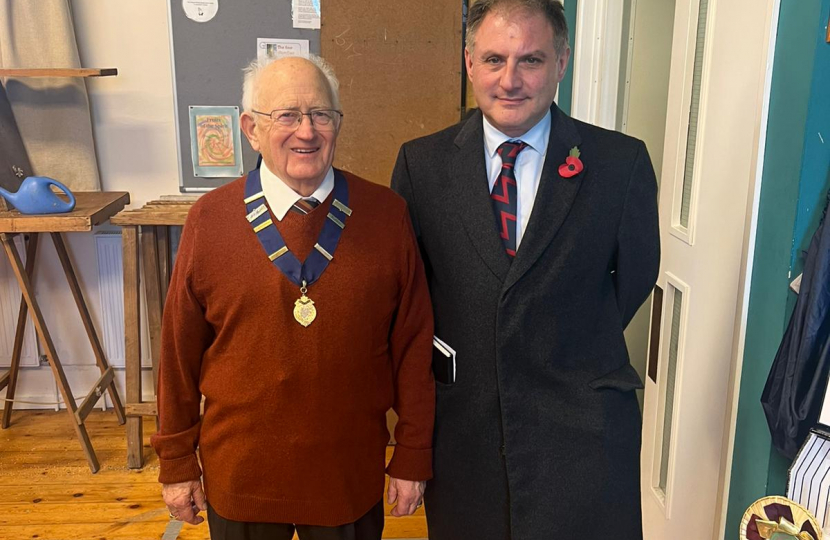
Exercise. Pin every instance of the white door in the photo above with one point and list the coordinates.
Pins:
(721, 56)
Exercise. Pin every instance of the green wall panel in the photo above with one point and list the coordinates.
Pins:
(815, 166)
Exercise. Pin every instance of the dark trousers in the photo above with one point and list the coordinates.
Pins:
(368, 527)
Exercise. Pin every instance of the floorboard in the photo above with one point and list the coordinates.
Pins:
(47, 491)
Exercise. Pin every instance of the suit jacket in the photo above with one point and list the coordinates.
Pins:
(539, 436)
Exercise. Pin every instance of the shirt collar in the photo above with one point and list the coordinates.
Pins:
(281, 198)
(536, 137)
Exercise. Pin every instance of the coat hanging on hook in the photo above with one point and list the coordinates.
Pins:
(797, 381)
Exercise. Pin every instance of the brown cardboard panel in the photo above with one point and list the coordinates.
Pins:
(399, 66)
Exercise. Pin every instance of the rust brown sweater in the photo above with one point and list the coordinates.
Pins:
(294, 426)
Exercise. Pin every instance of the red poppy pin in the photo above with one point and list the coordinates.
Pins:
(572, 166)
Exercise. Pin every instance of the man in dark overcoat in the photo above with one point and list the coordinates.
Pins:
(540, 238)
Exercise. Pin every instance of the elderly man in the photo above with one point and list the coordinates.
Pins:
(540, 241)
(298, 362)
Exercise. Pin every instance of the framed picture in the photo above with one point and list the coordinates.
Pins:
(216, 148)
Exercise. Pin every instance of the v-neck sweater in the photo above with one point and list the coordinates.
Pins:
(294, 426)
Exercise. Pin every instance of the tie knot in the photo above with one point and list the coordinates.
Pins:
(304, 205)
(508, 151)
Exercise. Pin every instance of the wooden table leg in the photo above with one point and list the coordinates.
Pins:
(49, 347)
(92, 335)
(152, 290)
(19, 334)
(132, 343)
(165, 256)
(156, 257)
(163, 241)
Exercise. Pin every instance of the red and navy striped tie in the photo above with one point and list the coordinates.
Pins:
(505, 194)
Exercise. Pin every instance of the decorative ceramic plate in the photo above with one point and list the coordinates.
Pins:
(779, 518)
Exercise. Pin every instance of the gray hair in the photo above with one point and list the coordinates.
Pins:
(253, 70)
(553, 11)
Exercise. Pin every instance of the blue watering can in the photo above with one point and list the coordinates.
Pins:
(35, 196)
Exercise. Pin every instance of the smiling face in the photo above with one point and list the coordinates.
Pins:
(514, 69)
(301, 157)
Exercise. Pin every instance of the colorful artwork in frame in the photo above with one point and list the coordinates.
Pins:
(216, 148)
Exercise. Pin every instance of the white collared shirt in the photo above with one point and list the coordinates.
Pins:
(281, 198)
(528, 166)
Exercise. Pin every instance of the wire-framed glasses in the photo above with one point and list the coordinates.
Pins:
(321, 119)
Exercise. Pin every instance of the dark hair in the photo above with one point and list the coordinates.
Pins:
(553, 11)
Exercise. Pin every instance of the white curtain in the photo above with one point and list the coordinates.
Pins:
(52, 114)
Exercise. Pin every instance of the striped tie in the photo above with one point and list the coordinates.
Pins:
(305, 205)
(505, 194)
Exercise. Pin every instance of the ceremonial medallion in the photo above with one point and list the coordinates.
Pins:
(309, 271)
(304, 310)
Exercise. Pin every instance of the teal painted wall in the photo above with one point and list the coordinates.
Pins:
(813, 183)
(815, 174)
(791, 201)
(567, 84)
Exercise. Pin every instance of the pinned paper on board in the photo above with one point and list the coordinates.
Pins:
(306, 13)
(200, 10)
(279, 48)
(215, 142)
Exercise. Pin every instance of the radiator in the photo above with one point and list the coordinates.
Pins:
(111, 293)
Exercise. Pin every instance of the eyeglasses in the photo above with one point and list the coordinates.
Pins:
(321, 119)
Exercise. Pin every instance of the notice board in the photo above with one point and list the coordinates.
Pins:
(208, 58)
(399, 66)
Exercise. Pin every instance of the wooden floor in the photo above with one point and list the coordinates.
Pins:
(47, 491)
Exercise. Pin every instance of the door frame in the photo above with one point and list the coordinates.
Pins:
(596, 61)
(772, 8)
(725, 52)
(596, 75)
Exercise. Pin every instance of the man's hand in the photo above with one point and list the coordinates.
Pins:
(185, 500)
(408, 493)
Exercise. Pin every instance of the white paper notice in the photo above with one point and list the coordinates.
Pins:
(278, 48)
(306, 13)
(200, 10)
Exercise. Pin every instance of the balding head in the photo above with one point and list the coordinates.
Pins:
(251, 78)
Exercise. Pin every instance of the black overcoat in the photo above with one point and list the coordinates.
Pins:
(539, 436)
(797, 381)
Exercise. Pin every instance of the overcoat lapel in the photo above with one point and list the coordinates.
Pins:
(553, 198)
(472, 198)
